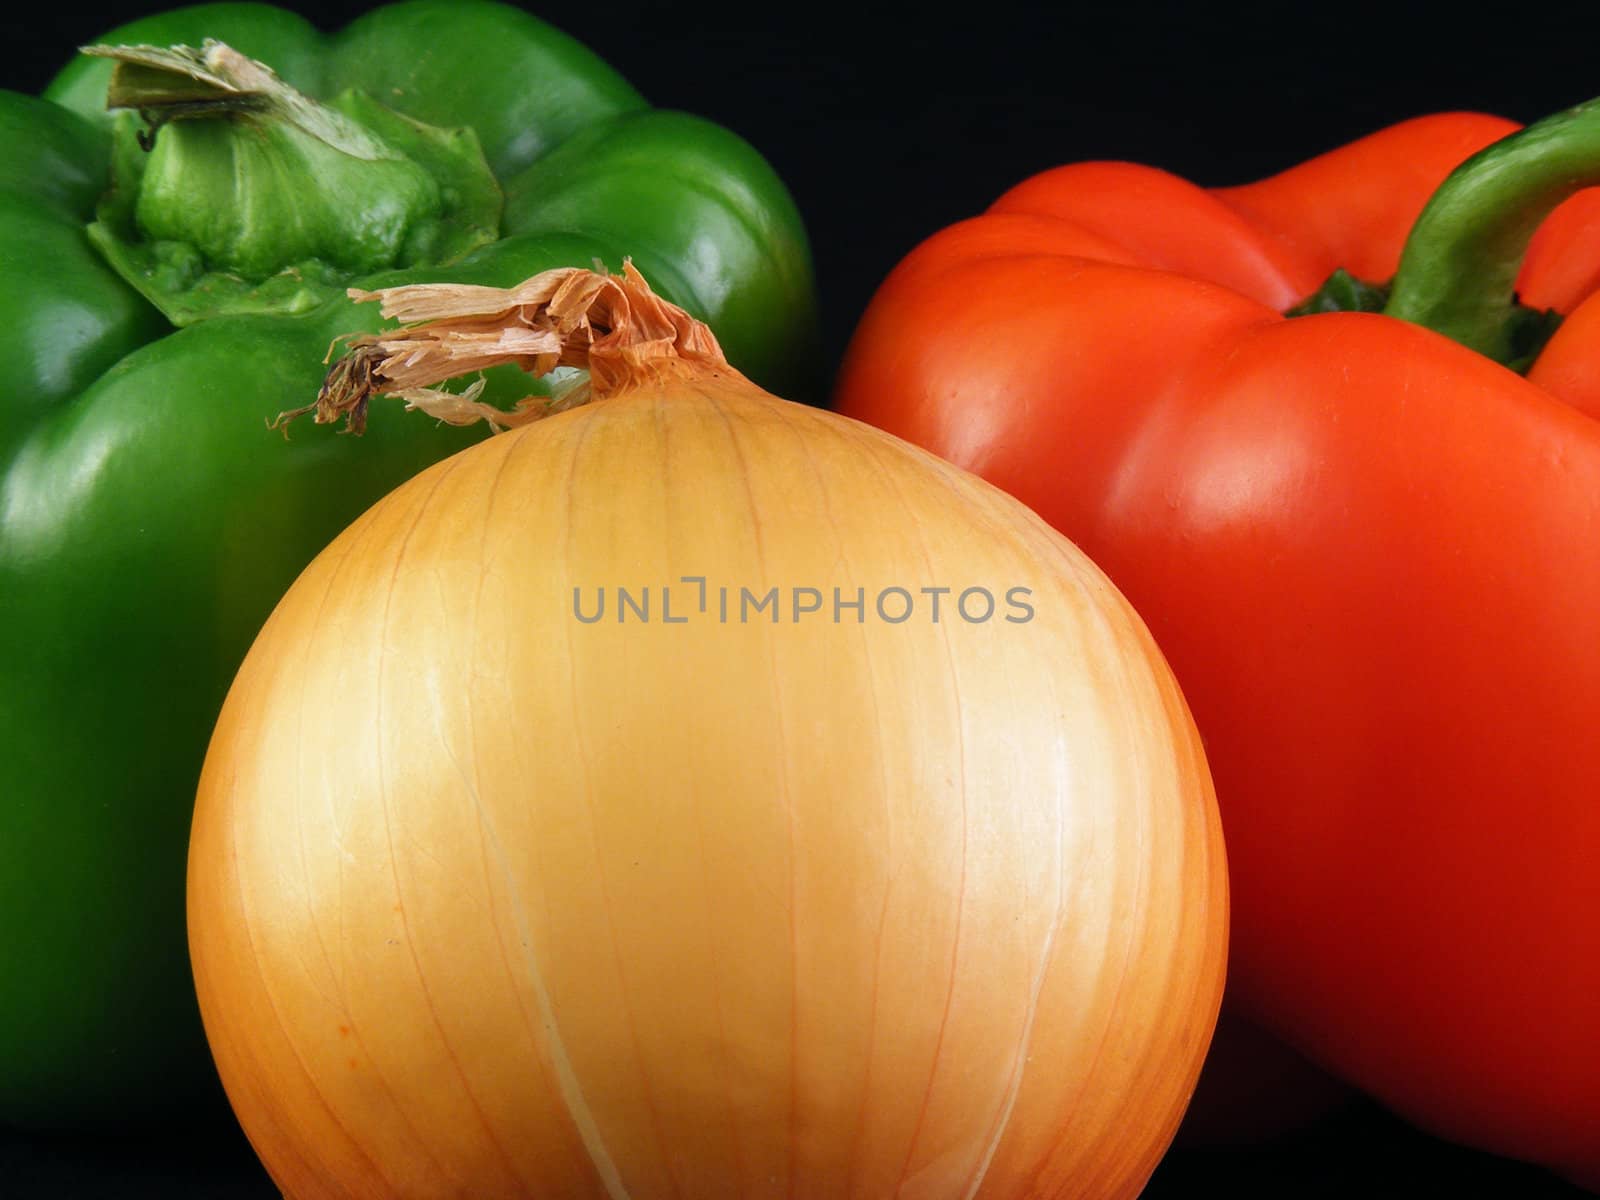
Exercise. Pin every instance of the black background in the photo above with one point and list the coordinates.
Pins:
(888, 124)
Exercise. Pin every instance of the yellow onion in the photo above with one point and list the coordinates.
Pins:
(490, 899)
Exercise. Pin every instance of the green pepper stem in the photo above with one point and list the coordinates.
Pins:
(1458, 272)
(183, 83)
(240, 194)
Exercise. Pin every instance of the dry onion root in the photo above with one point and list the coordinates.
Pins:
(492, 897)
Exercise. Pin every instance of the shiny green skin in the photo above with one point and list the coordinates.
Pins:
(149, 521)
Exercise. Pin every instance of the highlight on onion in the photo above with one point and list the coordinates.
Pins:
(694, 794)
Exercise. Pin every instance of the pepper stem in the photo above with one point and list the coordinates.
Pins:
(611, 326)
(240, 194)
(1459, 269)
(176, 83)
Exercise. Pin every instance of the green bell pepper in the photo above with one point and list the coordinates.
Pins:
(174, 275)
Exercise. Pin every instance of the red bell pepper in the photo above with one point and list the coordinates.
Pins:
(1368, 545)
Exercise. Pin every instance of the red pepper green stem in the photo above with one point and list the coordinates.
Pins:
(1458, 272)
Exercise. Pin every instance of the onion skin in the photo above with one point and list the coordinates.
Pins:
(486, 901)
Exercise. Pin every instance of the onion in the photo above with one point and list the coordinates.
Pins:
(491, 897)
